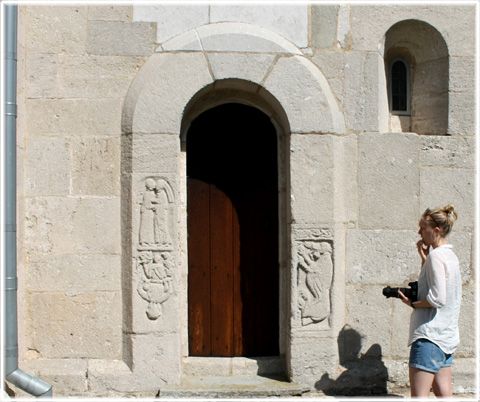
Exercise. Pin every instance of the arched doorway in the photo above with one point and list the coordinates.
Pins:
(167, 94)
(233, 269)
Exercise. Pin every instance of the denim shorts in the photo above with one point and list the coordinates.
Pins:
(427, 356)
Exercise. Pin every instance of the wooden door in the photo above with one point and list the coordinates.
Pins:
(213, 270)
(232, 235)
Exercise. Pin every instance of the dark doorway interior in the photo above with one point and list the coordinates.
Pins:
(233, 233)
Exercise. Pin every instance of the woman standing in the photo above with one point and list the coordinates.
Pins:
(434, 334)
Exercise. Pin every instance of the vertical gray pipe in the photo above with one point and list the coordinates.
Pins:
(13, 374)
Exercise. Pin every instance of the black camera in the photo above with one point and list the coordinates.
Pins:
(411, 292)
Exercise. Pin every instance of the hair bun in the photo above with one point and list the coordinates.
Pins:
(450, 210)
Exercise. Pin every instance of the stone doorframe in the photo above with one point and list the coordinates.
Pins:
(202, 68)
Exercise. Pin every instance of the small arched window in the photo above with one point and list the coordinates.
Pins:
(399, 87)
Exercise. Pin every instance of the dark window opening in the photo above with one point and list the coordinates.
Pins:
(399, 87)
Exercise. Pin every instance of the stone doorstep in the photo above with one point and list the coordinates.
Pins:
(235, 366)
(247, 386)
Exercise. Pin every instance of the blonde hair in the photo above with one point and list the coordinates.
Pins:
(441, 217)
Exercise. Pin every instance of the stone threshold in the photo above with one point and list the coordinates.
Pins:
(234, 366)
(246, 386)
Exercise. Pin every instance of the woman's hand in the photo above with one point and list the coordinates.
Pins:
(405, 299)
(422, 250)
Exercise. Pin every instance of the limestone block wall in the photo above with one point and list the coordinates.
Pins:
(103, 93)
(71, 90)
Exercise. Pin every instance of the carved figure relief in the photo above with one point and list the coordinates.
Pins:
(314, 276)
(154, 215)
(147, 214)
(157, 282)
(155, 258)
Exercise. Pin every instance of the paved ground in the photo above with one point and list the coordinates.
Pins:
(243, 387)
(260, 387)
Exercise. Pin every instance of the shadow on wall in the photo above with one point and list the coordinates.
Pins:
(365, 374)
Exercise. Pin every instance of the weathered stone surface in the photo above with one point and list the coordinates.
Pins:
(381, 257)
(447, 151)
(66, 376)
(120, 38)
(111, 377)
(288, 20)
(397, 375)
(230, 37)
(172, 19)
(461, 74)
(92, 117)
(312, 356)
(323, 174)
(262, 366)
(86, 325)
(186, 41)
(72, 225)
(110, 13)
(368, 315)
(304, 91)
(237, 366)
(324, 21)
(47, 168)
(73, 274)
(431, 77)
(345, 178)
(42, 75)
(343, 27)
(399, 124)
(157, 358)
(250, 67)
(332, 65)
(96, 77)
(366, 108)
(429, 114)
(442, 186)
(96, 166)
(225, 387)
(241, 37)
(388, 180)
(399, 328)
(56, 29)
(337, 291)
(467, 323)
(463, 373)
(312, 165)
(390, 257)
(172, 79)
(151, 153)
(207, 367)
(462, 109)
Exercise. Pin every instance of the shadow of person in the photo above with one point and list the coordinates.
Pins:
(364, 374)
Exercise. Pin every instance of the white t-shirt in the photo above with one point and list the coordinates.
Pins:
(440, 283)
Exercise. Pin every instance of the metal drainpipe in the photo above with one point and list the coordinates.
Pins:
(13, 374)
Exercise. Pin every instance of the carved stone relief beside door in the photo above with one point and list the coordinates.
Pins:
(314, 269)
(155, 259)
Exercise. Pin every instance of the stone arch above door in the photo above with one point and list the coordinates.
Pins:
(195, 59)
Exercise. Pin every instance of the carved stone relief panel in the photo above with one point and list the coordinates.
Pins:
(154, 233)
(155, 257)
(314, 270)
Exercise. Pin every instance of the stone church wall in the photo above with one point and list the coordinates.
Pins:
(95, 130)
